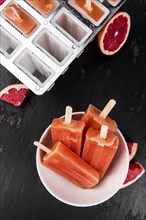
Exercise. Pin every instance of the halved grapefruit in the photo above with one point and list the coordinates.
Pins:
(14, 94)
(114, 34)
(136, 170)
(132, 148)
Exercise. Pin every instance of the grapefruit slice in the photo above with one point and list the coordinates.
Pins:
(114, 34)
(132, 148)
(2, 1)
(14, 94)
(136, 170)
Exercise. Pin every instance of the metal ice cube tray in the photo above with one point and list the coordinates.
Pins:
(38, 59)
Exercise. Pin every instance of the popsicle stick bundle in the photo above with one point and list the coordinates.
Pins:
(83, 148)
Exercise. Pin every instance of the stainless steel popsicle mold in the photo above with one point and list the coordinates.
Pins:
(37, 59)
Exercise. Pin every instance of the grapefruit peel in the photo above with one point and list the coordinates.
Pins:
(132, 148)
(135, 171)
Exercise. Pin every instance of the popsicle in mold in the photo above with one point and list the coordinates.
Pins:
(91, 9)
(19, 18)
(68, 131)
(44, 6)
(66, 163)
(94, 118)
(99, 149)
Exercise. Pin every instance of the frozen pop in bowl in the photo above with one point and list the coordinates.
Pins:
(71, 194)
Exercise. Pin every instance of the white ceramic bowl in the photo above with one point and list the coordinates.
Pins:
(71, 194)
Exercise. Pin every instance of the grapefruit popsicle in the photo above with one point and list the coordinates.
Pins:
(19, 18)
(91, 9)
(94, 118)
(99, 151)
(65, 162)
(43, 6)
(69, 132)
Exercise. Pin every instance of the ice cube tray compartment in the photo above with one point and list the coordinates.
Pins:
(2, 1)
(72, 27)
(8, 44)
(34, 67)
(52, 47)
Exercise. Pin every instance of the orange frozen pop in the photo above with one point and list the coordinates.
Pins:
(68, 131)
(20, 18)
(43, 6)
(65, 162)
(94, 118)
(90, 8)
(99, 150)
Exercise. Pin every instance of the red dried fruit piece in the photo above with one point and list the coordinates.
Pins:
(135, 171)
(14, 94)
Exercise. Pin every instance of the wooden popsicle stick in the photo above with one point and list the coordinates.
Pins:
(42, 147)
(103, 131)
(109, 106)
(16, 14)
(88, 5)
(68, 114)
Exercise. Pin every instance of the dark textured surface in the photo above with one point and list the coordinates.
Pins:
(92, 78)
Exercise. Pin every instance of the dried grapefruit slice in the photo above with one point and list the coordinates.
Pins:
(14, 94)
(136, 170)
(132, 148)
(114, 34)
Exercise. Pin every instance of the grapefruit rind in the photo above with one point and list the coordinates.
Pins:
(133, 150)
(17, 87)
(103, 31)
(114, 3)
(136, 178)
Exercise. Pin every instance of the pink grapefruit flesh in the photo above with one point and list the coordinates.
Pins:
(14, 94)
(135, 171)
(114, 34)
(132, 148)
(2, 1)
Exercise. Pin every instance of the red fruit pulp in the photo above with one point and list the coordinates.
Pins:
(130, 147)
(15, 96)
(134, 170)
(116, 33)
(2, 1)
